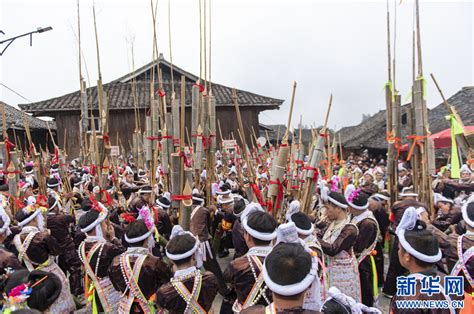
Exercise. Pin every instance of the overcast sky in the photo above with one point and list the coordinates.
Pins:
(336, 46)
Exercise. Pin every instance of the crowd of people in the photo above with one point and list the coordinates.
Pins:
(120, 249)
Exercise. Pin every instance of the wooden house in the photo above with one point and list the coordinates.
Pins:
(15, 127)
(276, 132)
(66, 109)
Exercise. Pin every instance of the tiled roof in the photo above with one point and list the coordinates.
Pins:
(14, 119)
(371, 133)
(121, 97)
(277, 131)
(463, 101)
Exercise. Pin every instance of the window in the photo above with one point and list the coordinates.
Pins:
(404, 119)
(90, 127)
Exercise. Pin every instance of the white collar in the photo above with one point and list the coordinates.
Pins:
(259, 251)
(310, 238)
(28, 229)
(184, 272)
(469, 233)
(94, 239)
(335, 228)
(129, 185)
(359, 218)
(137, 251)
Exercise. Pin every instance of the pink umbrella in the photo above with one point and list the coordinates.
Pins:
(443, 139)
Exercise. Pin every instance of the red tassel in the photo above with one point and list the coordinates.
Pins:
(93, 170)
(106, 139)
(257, 193)
(8, 146)
(187, 162)
(201, 87)
(42, 201)
(161, 93)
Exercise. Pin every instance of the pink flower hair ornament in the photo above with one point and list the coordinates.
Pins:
(335, 184)
(144, 213)
(354, 195)
(16, 298)
(21, 289)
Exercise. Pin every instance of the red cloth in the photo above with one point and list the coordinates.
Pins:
(42, 201)
(315, 174)
(187, 162)
(108, 198)
(105, 137)
(8, 146)
(161, 93)
(181, 197)
(93, 170)
(257, 193)
(280, 193)
(201, 87)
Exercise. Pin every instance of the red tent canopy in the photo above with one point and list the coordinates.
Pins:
(442, 139)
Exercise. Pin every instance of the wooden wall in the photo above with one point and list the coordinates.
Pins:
(122, 126)
(67, 124)
(40, 137)
(229, 123)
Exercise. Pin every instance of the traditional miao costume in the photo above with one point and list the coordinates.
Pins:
(189, 291)
(96, 255)
(36, 249)
(341, 264)
(245, 273)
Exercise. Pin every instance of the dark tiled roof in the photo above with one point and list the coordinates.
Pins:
(14, 119)
(371, 133)
(165, 66)
(464, 103)
(272, 131)
(121, 97)
(264, 127)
